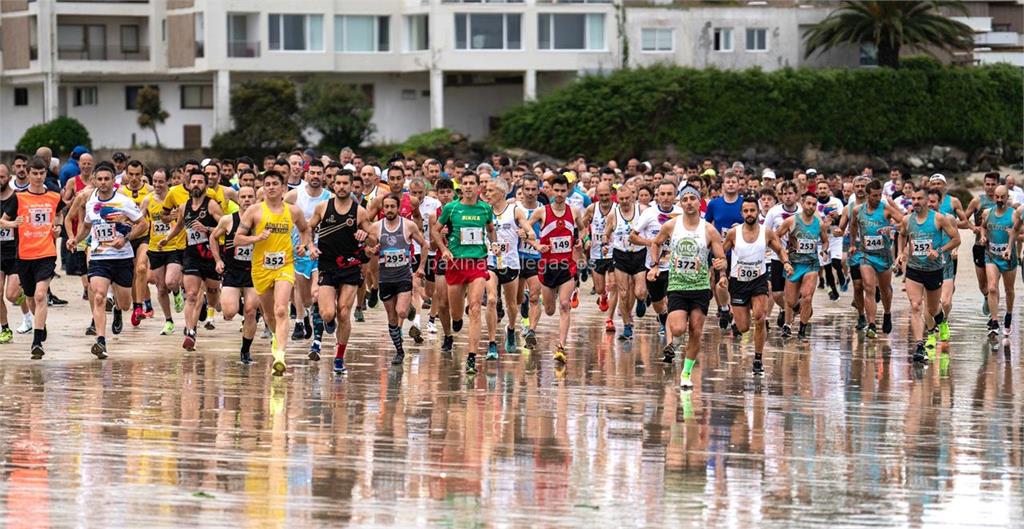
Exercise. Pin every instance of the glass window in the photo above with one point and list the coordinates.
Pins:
(20, 97)
(417, 33)
(485, 31)
(723, 39)
(361, 34)
(130, 39)
(85, 96)
(131, 93)
(296, 32)
(570, 31)
(200, 25)
(757, 39)
(656, 39)
(197, 96)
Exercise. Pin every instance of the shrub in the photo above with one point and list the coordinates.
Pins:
(340, 112)
(264, 112)
(60, 135)
(700, 111)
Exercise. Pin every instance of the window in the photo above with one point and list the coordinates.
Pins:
(868, 54)
(757, 39)
(196, 96)
(21, 97)
(417, 33)
(85, 96)
(296, 32)
(82, 42)
(570, 31)
(479, 31)
(656, 39)
(723, 39)
(361, 34)
(130, 39)
(200, 32)
(131, 93)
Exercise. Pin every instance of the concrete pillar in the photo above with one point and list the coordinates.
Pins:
(529, 85)
(436, 98)
(222, 101)
(46, 32)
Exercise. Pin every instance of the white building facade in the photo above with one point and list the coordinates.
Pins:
(424, 63)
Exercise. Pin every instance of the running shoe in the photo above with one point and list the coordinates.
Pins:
(471, 364)
(609, 325)
(833, 295)
(492, 351)
(499, 310)
(735, 330)
(358, 315)
(339, 366)
(26, 326)
(627, 332)
(993, 328)
(872, 332)
(984, 306)
(91, 329)
(723, 319)
(641, 308)
(279, 365)
(887, 323)
(416, 334)
(931, 341)
(804, 332)
(307, 328)
(299, 333)
(398, 358)
(781, 320)
(862, 322)
(431, 326)
(117, 325)
(204, 312)
(266, 332)
(668, 354)
(21, 298)
(371, 298)
(147, 311)
(1007, 322)
(37, 351)
(530, 338)
(189, 343)
(179, 301)
(758, 368)
(944, 331)
(602, 303)
(99, 350)
(137, 316)
(330, 326)
(787, 332)
(6, 335)
(684, 381)
(844, 286)
(447, 344)
(168, 329)
(510, 340)
(525, 321)
(920, 355)
(314, 351)
(574, 299)
(53, 300)
(661, 329)
(245, 357)
(559, 355)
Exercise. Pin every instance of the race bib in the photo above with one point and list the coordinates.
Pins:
(997, 248)
(748, 271)
(685, 264)
(103, 232)
(471, 236)
(161, 228)
(273, 260)
(395, 258)
(40, 216)
(6, 234)
(561, 244)
(920, 247)
(873, 243)
(243, 253)
(806, 246)
(501, 247)
(597, 239)
(196, 237)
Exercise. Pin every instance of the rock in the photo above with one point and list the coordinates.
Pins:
(984, 166)
(811, 155)
(938, 152)
(914, 162)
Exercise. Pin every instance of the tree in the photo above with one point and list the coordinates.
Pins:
(151, 113)
(60, 135)
(264, 112)
(890, 25)
(340, 112)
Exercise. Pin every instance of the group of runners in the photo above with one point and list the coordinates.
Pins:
(307, 245)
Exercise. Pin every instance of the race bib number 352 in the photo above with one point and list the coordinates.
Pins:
(273, 260)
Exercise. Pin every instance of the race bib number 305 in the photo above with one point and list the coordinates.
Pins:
(748, 271)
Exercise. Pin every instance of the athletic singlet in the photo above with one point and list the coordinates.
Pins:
(558, 234)
(688, 260)
(236, 257)
(158, 229)
(394, 258)
(507, 234)
(197, 243)
(9, 236)
(337, 235)
(984, 204)
(527, 251)
(803, 241)
(307, 204)
(999, 227)
(623, 227)
(276, 251)
(875, 232)
(35, 235)
(748, 258)
(923, 238)
(138, 196)
(597, 225)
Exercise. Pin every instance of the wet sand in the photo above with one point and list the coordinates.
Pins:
(841, 431)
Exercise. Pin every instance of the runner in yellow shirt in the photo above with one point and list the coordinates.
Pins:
(135, 187)
(164, 262)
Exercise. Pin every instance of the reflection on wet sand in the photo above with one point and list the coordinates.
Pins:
(839, 431)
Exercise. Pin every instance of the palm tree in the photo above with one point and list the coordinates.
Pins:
(891, 25)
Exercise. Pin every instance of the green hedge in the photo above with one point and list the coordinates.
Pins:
(700, 111)
(60, 135)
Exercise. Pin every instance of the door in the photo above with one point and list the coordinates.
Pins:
(193, 136)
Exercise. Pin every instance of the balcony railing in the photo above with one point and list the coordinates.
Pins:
(243, 48)
(104, 53)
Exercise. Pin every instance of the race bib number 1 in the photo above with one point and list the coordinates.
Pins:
(471, 236)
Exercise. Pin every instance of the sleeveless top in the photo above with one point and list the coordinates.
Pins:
(236, 257)
(748, 258)
(875, 233)
(999, 227)
(507, 234)
(923, 238)
(559, 234)
(197, 243)
(597, 225)
(688, 263)
(525, 250)
(623, 226)
(337, 238)
(804, 240)
(276, 251)
(394, 253)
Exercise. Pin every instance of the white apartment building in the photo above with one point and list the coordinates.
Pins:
(424, 63)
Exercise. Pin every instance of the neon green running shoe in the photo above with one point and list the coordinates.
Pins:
(168, 329)
(21, 298)
(6, 335)
(944, 331)
(179, 301)
(930, 342)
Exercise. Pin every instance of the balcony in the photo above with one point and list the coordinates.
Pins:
(978, 24)
(999, 39)
(104, 53)
(994, 57)
(244, 48)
